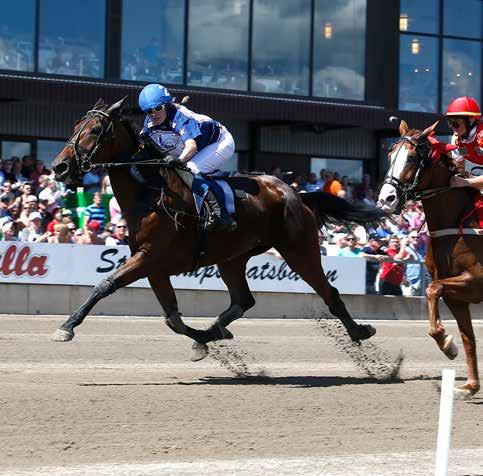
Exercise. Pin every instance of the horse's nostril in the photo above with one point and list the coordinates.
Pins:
(390, 198)
(61, 169)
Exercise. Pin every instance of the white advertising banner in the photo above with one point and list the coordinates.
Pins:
(87, 264)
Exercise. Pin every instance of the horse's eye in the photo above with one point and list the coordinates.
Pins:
(96, 130)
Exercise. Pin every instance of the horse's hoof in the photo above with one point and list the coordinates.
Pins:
(225, 333)
(199, 352)
(450, 349)
(61, 335)
(366, 331)
(465, 391)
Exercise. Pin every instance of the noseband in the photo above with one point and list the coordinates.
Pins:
(422, 158)
(84, 160)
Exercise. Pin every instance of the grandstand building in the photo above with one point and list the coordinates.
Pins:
(302, 84)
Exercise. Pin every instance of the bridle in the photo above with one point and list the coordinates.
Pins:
(408, 191)
(84, 160)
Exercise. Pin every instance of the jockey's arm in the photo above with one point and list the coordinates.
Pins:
(475, 182)
(189, 150)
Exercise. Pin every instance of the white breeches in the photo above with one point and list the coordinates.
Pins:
(212, 156)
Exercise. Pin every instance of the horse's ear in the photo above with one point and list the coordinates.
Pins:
(403, 128)
(428, 131)
(115, 109)
(98, 104)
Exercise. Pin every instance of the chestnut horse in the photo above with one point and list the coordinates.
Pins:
(165, 234)
(421, 168)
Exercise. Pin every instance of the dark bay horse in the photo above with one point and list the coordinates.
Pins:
(164, 230)
(421, 168)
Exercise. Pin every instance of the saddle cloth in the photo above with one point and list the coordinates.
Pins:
(225, 185)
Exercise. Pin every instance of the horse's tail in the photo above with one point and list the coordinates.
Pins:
(329, 208)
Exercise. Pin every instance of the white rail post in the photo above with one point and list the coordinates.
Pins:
(444, 426)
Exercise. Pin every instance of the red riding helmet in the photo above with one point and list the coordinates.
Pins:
(464, 106)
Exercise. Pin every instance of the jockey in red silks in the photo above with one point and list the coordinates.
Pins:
(463, 117)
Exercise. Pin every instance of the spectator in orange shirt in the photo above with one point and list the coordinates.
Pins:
(331, 185)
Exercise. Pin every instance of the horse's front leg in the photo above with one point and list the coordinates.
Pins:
(436, 328)
(461, 312)
(136, 267)
(166, 296)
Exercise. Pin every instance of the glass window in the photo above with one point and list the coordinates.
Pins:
(47, 151)
(218, 43)
(17, 36)
(339, 49)
(349, 168)
(420, 17)
(72, 37)
(281, 45)
(461, 70)
(418, 73)
(15, 149)
(153, 40)
(463, 18)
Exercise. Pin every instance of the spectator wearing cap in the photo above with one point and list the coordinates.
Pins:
(95, 211)
(9, 231)
(374, 253)
(91, 237)
(33, 232)
(67, 216)
(61, 234)
(351, 250)
(119, 236)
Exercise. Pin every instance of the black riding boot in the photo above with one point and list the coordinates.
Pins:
(219, 218)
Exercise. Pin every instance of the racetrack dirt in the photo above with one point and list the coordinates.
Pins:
(124, 391)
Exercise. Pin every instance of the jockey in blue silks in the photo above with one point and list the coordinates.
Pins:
(198, 141)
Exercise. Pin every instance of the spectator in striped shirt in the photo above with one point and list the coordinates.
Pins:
(95, 211)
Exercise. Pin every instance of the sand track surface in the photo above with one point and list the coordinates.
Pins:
(282, 393)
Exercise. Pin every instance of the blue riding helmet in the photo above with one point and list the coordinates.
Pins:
(154, 95)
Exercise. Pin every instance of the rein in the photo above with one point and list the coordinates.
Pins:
(85, 164)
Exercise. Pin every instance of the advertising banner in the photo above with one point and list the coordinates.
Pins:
(40, 263)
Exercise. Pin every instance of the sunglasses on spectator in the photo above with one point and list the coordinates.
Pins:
(351, 239)
(156, 109)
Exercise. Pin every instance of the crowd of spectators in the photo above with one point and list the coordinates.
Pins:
(394, 250)
(33, 207)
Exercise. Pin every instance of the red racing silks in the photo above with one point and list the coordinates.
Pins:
(439, 148)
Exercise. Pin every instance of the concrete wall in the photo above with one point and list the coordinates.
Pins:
(56, 299)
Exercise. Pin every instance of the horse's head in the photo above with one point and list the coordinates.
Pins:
(90, 144)
(411, 167)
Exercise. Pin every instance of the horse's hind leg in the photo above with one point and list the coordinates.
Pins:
(304, 258)
(135, 268)
(241, 299)
(164, 291)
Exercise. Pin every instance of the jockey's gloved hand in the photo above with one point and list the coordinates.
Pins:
(174, 161)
